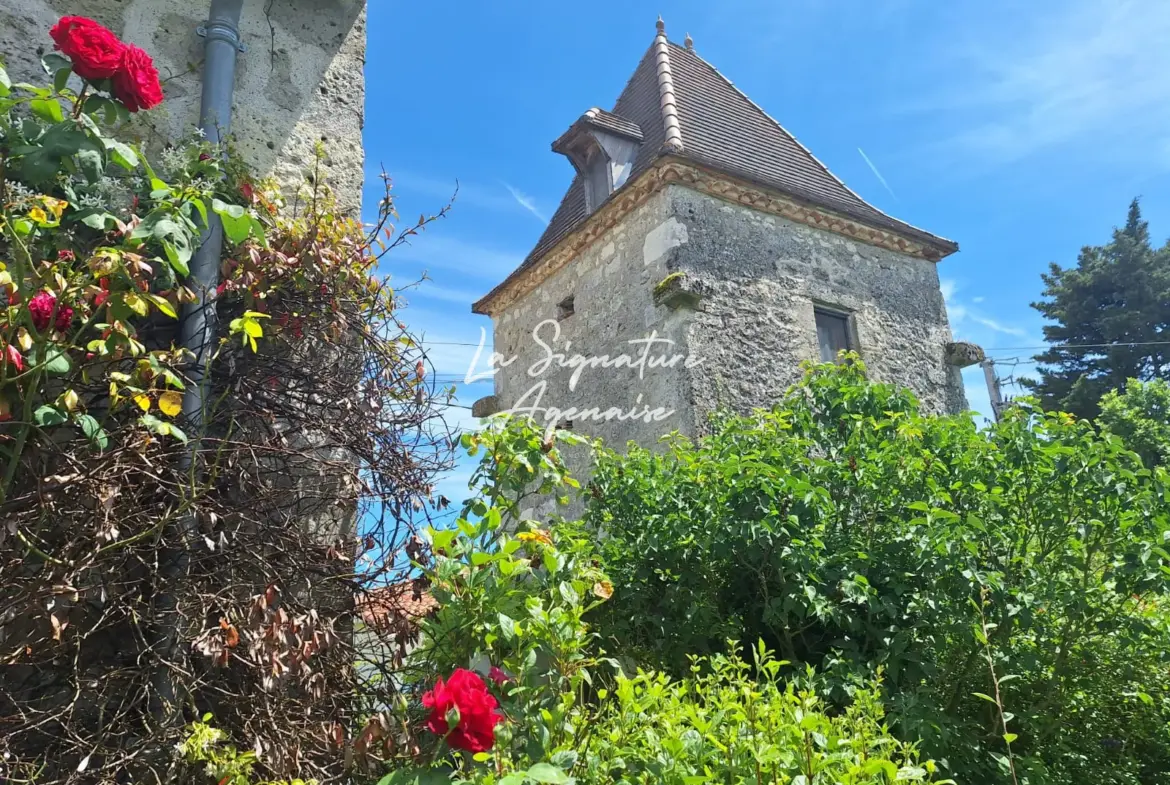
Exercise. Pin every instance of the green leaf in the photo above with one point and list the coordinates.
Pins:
(1010, 737)
(92, 430)
(163, 304)
(91, 158)
(507, 627)
(441, 539)
(546, 772)
(985, 697)
(96, 104)
(162, 428)
(47, 109)
(222, 208)
(236, 229)
(5, 83)
(54, 62)
(61, 78)
(237, 223)
(48, 416)
(99, 219)
(55, 362)
(176, 259)
(569, 593)
(122, 154)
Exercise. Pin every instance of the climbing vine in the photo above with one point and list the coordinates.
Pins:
(250, 531)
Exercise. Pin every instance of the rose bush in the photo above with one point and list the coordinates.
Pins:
(463, 712)
(512, 601)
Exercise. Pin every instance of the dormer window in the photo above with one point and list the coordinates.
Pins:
(598, 185)
(602, 146)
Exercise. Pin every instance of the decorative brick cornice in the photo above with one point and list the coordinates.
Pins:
(698, 178)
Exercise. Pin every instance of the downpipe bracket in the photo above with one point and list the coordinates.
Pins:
(217, 32)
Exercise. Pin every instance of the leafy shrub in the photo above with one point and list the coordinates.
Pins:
(512, 605)
(1141, 417)
(738, 722)
(205, 755)
(853, 533)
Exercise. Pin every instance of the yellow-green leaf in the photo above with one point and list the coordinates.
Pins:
(136, 303)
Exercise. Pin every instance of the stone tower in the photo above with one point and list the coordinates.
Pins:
(699, 255)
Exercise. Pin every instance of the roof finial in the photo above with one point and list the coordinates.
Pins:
(660, 25)
(689, 43)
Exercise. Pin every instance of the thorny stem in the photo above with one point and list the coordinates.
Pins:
(80, 101)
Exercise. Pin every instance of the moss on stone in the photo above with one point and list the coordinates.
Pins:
(665, 283)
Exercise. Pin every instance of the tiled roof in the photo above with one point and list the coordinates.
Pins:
(722, 129)
(613, 122)
(399, 605)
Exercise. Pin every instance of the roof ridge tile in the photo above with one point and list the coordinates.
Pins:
(670, 123)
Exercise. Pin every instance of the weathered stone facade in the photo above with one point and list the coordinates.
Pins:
(761, 276)
(612, 285)
(734, 289)
(299, 82)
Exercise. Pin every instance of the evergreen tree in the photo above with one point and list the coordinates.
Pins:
(1112, 320)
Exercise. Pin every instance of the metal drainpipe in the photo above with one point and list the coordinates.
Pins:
(197, 330)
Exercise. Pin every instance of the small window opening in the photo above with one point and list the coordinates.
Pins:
(565, 308)
(832, 334)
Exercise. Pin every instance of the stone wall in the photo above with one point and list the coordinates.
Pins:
(734, 289)
(760, 276)
(611, 284)
(301, 80)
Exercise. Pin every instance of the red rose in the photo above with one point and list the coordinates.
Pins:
(65, 255)
(477, 710)
(95, 51)
(41, 308)
(136, 81)
(498, 675)
(64, 318)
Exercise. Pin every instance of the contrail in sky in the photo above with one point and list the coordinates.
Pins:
(527, 202)
(876, 173)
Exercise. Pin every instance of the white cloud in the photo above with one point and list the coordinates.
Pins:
(992, 324)
(1041, 74)
(468, 258)
(962, 315)
(528, 203)
(430, 291)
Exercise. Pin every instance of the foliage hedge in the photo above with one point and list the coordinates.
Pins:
(1011, 581)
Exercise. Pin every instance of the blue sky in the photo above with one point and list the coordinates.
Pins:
(1019, 129)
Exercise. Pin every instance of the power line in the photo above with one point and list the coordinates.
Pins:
(1075, 346)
